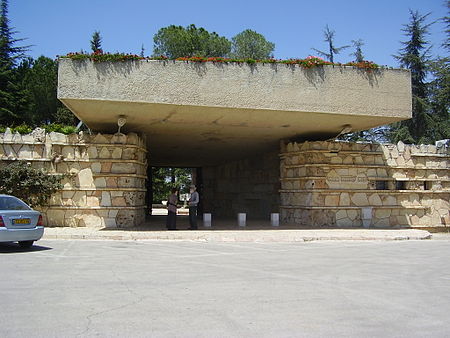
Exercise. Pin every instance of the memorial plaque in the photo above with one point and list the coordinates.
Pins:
(336, 181)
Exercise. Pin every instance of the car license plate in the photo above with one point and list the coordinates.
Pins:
(21, 221)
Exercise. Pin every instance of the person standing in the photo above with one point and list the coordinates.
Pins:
(171, 221)
(193, 202)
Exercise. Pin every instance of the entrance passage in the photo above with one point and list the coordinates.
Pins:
(161, 180)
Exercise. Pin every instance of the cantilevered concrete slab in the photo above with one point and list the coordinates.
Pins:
(203, 114)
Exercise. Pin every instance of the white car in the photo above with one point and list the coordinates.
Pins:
(18, 222)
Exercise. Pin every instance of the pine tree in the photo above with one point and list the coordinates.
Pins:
(358, 54)
(11, 95)
(96, 42)
(142, 51)
(446, 20)
(332, 50)
(415, 57)
(439, 88)
(9, 52)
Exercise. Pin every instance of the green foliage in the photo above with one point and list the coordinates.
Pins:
(177, 41)
(332, 49)
(31, 185)
(12, 101)
(64, 116)
(96, 42)
(9, 51)
(251, 45)
(22, 129)
(439, 93)
(102, 57)
(59, 128)
(26, 129)
(28, 87)
(415, 57)
(32, 91)
(164, 179)
(446, 20)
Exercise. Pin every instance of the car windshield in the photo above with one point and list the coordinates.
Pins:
(11, 203)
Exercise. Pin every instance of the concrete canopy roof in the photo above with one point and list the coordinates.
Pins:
(205, 114)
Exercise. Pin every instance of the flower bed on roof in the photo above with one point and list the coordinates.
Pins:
(309, 62)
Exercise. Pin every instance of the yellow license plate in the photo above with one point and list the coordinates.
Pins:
(21, 221)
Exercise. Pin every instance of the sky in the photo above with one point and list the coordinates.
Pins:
(56, 27)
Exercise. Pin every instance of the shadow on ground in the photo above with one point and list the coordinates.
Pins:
(9, 247)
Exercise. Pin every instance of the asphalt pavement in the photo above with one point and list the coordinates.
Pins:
(87, 288)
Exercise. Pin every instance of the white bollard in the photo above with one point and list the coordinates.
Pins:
(207, 220)
(242, 219)
(366, 216)
(275, 219)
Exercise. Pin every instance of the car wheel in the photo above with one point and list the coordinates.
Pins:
(26, 244)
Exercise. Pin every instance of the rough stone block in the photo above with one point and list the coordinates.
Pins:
(116, 153)
(92, 201)
(123, 168)
(85, 178)
(344, 199)
(360, 199)
(92, 152)
(100, 182)
(119, 202)
(331, 200)
(375, 200)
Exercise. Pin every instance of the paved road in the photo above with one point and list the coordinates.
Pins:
(194, 289)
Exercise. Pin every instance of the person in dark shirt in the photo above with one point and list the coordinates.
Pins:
(171, 221)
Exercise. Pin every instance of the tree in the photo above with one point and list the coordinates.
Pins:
(31, 185)
(415, 57)
(332, 49)
(249, 44)
(11, 96)
(39, 78)
(164, 179)
(439, 88)
(142, 51)
(177, 41)
(9, 51)
(439, 94)
(358, 54)
(446, 20)
(96, 42)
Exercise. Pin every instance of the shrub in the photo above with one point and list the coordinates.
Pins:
(22, 129)
(58, 128)
(31, 185)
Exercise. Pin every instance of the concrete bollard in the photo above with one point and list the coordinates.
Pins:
(275, 219)
(242, 219)
(207, 220)
(366, 216)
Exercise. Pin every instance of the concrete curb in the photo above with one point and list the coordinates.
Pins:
(239, 235)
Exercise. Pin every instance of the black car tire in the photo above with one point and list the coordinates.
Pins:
(26, 244)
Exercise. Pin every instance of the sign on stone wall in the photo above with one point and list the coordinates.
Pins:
(345, 181)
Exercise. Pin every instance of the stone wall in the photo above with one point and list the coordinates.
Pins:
(355, 184)
(106, 182)
(249, 186)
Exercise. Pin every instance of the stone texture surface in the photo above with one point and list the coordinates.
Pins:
(93, 195)
(250, 186)
(331, 183)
